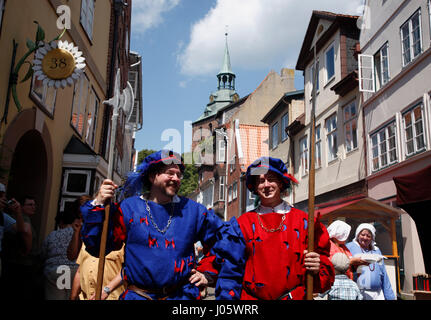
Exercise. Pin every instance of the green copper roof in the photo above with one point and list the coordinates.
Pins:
(226, 67)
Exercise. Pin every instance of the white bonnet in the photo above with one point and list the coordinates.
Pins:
(339, 230)
(367, 226)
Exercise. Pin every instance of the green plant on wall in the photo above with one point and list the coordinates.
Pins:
(32, 47)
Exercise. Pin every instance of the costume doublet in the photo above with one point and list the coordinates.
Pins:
(274, 267)
(156, 260)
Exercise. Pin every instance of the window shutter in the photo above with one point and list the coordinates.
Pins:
(366, 73)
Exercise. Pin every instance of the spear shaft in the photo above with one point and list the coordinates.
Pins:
(311, 177)
(104, 236)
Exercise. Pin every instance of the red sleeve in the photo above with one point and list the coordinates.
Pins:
(119, 228)
(207, 262)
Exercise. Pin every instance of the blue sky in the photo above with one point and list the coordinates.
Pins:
(182, 45)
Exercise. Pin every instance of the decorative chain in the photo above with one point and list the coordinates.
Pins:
(154, 223)
(271, 230)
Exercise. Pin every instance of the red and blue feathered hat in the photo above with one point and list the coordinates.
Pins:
(164, 156)
(265, 164)
(136, 180)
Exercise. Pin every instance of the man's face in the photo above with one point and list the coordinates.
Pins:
(29, 207)
(168, 180)
(268, 186)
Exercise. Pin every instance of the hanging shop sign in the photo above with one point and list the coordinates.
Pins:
(58, 63)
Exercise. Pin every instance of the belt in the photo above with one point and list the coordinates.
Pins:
(287, 294)
(143, 293)
(164, 292)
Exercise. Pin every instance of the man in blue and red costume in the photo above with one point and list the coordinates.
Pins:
(159, 230)
(275, 240)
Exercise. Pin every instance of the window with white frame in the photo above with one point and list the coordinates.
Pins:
(76, 182)
(80, 99)
(92, 113)
(284, 125)
(234, 190)
(221, 150)
(413, 125)
(133, 80)
(331, 137)
(87, 17)
(381, 63)
(411, 38)
(250, 202)
(384, 147)
(274, 135)
(350, 126)
(207, 196)
(318, 150)
(67, 203)
(108, 139)
(232, 164)
(303, 154)
(330, 63)
(221, 188)
(44, 96)
(229, 191)
(312, 78)
(366, 73)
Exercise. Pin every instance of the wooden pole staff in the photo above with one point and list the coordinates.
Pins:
(311, 178)
(104, 236)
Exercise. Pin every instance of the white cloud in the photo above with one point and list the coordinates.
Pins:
(262, 33)
(147, 14)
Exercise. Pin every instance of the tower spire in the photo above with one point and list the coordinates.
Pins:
(226, 66)
(226, 78)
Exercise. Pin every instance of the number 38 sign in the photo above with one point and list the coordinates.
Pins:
(58, 64)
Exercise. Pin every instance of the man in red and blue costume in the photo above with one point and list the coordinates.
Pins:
(159, 230)
(275, 241)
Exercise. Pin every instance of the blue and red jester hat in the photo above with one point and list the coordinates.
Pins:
(265, 164)
(136, 180)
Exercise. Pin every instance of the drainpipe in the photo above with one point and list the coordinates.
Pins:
(227, 171)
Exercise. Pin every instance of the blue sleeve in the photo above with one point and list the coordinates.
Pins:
(8, 222)
(230, 257)
(209, 225)
(386, 283)
(91, 231)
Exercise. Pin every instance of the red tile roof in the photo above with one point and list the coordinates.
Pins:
(254, 143)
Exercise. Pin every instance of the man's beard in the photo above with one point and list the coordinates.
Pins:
(171, 189)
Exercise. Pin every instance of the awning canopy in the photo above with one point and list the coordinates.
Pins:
(414, 187)
(363, 208)
(414, 196)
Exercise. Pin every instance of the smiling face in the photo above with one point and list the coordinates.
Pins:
(364, 239)
(166, 182)
(268, 188)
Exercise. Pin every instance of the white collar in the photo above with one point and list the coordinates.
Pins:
(282, 208)
(175, 199)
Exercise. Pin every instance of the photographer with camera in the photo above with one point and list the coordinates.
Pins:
(13, 225)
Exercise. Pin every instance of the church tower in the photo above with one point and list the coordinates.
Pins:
(225, 93)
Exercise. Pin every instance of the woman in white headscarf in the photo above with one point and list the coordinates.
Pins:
(338, 233)
(373, 280)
